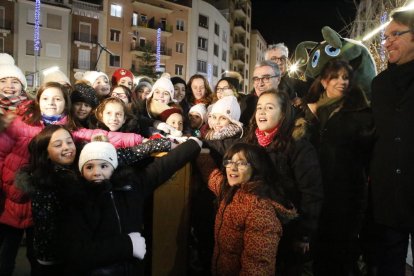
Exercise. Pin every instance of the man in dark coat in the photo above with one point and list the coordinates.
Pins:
(392, 171)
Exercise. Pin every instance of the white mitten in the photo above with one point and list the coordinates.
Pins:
(176, 132)
(199, 142)
(179, 139)
(138, 245)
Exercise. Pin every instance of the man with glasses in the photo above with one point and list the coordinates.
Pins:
(266, 76)
(392, 164)
(295, 88)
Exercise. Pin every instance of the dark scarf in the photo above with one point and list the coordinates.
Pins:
(263, 139)
(326, 106)
(11, 102)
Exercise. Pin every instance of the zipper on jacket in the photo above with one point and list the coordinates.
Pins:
(116, 211)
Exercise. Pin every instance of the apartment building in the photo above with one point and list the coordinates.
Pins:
(84, 36)
(54, 39)
(6, 27)
(257, 50)
(209, 42)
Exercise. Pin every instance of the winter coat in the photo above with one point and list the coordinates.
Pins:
(247, 230)
(392, 172)
(95, 233)
(14, 204)
(344, 145)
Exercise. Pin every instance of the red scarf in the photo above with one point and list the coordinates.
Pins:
(263, 139)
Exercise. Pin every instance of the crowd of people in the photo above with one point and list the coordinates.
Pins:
(300, 178)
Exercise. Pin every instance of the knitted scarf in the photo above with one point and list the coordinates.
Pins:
(231, 130)
(8, 102)
(265, 138)
(51, 120)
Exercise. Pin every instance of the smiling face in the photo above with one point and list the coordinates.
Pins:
(52, 102)
(161, 96)
(198, 88)
(238, 174)
(400, 49)
(61, 149)
(10, 87)
(119, 92)
(261, 85)
(268, 112)
(218, 121)
(176, 121)
(97, 170)
(81, 110)
(126, 81)
(179, 90)
(113, 116)
(101, 86)
(337, 84)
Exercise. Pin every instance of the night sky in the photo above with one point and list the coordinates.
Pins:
(293, 21)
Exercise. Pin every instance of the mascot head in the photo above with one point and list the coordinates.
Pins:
(316, 54)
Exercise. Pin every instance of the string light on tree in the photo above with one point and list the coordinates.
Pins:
(158, 53)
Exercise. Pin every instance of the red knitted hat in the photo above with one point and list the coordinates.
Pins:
(166, 113)
(120, 73)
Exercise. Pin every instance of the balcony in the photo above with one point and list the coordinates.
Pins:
(239, 43)
(139, 50)
(82, 5)
(239, 26)
(240, 10)
(152, 26)
(239, 60)
(5, 28)
(155, 8)
(82, 39)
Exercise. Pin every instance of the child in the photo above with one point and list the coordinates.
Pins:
(248, 223)
(84, 102)
(12, 89)
(122, 92)
(173, 117)
(123, 77)
(102, 232)
(224, 119)
(197, 118)
(51, 180)
(98, 80)
(112, 114)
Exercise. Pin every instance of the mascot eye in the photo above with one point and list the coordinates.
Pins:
(315, 58)
(331, 51)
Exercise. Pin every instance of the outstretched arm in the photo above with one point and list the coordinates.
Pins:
(131, 155)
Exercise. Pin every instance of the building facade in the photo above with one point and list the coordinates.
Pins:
(257, 51)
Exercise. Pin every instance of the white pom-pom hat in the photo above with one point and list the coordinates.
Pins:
(9, 70)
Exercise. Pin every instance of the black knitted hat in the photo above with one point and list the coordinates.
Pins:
(84, 93)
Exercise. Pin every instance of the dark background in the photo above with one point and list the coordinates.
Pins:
(293, 21)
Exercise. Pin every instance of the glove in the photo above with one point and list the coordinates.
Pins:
(138, 245)
(199, 142)
(163, 127)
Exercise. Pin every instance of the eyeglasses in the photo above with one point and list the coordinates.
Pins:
(119, 95)
(393, 36)
(241, 164)
(265, 79)
(281, 59)
(221, 89)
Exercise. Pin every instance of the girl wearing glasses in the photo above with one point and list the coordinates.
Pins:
(248, 223)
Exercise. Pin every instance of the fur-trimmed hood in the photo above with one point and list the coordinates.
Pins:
(24, 181)
(300, 129)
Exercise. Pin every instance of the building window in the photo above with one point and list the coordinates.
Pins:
(29, 47)
(142, 42)
(53, 50)
(179, 70)
(84, 59)
(203, 21)
(216, 50)
(1, 44)
(224, 55)
(247, 74)
(180, 25)
(134, 19)
(224, 36)
(248, 27)
(248, 12)
(215, 70)
(202, 66)
(31, 17)
(116, 10)
(179, 47)
(115, 35)
(54, 21)
(114, 61)
(248, 43)
(143, 18)
(216, 29)
(30, 78)
(202, 43)
(2, 18)
(85, 32)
